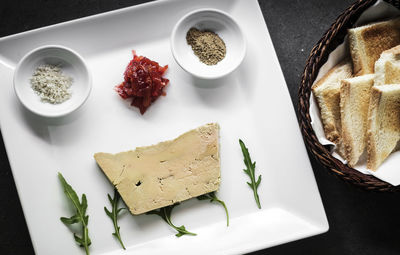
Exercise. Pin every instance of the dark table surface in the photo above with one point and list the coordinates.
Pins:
(360, 222)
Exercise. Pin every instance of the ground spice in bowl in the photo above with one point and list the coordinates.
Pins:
(206, 45)
(49, 82)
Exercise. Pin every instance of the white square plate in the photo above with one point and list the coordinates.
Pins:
(252, 103)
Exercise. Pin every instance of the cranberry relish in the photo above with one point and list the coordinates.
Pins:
(143, 82)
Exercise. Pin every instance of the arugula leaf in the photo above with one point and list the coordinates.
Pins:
(165, 214)
(79, 217)
(250, 171)
(214, 198)
(114, 214)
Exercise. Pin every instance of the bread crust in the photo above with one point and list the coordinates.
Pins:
(369, 41)
(354, 102)
(347, 139)
(395, 50)
(383, 124)
(371, 148)
(392, 73)
(377, 39)
(355, 54)
(327, 93)
(331, 72)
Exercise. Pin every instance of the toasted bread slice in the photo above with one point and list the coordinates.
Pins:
(327, 93)
(369, 41)
(383, 123)
(354, 103)
(387, 68)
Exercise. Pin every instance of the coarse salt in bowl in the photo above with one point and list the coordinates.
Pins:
(218, 22)
(71, 65)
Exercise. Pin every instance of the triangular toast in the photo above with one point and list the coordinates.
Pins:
(383, 123)
(327, 94)
(354, 103)
(369, 41)
(387, 68)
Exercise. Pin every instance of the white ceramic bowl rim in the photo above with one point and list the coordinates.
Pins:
(53, 46)
(227, 71)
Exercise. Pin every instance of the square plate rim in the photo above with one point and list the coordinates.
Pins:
(321, 226)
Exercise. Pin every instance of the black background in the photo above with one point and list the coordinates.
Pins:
(360, 222)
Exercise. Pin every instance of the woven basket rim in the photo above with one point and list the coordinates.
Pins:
(318, 56)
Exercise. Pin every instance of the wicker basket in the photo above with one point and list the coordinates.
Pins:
(318, 56)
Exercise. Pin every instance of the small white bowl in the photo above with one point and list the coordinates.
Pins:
(218, 22)
(71, 64)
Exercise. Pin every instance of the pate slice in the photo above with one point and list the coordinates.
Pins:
(156, 176)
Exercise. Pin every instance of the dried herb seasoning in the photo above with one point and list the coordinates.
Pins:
(206, 45)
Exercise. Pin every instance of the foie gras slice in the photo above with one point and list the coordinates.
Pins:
(156, 176)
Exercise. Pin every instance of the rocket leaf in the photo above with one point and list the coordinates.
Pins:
(214, 198)
(79, 217)
(250, 171)
(165, 214)
(114, 214)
